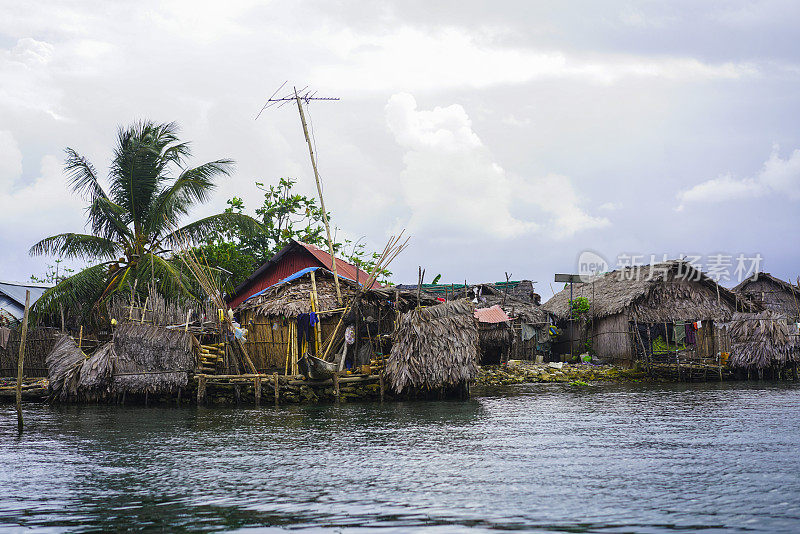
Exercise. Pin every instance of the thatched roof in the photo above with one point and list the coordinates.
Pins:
(772, 293)
(140, 359)
(760, 340)
(152, 359)
(63, 364)
(292, 298)
(434, 347)
(669, 291)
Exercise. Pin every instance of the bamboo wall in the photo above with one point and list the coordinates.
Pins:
(268, 337)
(38, 345)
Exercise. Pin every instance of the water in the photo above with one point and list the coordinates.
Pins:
(547, 458)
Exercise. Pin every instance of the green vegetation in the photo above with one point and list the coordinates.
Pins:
(134, 219)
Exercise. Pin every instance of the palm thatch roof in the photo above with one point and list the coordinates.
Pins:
(669, 291)
(293, 298)
(152, 359)
(760, 340)
(772, 293)
(434, 347)
(63, 364)
(140, 359)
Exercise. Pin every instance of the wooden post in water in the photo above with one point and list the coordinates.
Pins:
(382, 383)
(21, 359)
(336, 386)
(277, 387)
(257, 390)
(201, 390)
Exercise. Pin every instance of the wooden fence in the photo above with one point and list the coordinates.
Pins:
(38, 345)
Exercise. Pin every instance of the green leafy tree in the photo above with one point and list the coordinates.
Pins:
(284, 215)
(134, 219)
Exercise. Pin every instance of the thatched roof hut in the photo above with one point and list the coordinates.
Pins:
(151, 359)
(669, 291)
(761, 340)
(434, 348)
(660, 294)
(141, 359)
(772, 293)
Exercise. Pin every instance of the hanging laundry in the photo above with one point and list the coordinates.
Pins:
(679, 333)
(303, 328)
(350, 335)
(313, 319)
(527, 332)
(690, 337)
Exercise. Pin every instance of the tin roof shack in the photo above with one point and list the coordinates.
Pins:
(12, 300)
(435, 351)
(293, 258)
(279, 319)
(773, 294)
(661, 311)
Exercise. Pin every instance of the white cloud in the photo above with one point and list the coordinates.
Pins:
(30, 212)
(27, 82)
(452, 184)
(777, 176)
(418, 59)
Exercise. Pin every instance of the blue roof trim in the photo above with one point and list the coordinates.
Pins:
(295, 276)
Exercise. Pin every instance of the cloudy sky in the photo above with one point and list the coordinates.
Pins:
(503, 136)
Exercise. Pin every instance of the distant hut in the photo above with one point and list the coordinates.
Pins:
(435, 350)
(761, 341)
(644, 312)
(772, 293)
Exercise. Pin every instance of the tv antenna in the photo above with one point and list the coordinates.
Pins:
(299, 97)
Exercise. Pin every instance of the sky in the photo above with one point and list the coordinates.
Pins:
(504, 137)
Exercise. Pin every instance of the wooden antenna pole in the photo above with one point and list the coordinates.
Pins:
(321, 201)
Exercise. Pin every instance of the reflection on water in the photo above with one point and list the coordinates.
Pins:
(639, 458)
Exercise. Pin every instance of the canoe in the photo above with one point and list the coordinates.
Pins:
(315, 368)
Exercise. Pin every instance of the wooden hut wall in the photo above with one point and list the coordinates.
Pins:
(610, 338)
(266, 345)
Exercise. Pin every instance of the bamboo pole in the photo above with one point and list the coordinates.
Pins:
(21, 359)
(314, 307)
(321, 200)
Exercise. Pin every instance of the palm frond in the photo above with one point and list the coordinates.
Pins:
(71, 245)
(108, 220)
(78, 293)
(82, 176)
(168, 276)
(192, 186)
(197, 231)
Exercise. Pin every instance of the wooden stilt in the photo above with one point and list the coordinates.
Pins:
(336, 386)
(21, 358)
(277, 386)
(201, 390)
(382, 384)
(257, 390)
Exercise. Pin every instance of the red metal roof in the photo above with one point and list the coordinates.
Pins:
(495, 314)
(343, 268)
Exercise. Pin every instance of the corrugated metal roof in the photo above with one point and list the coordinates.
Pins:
(495, 314)
(14, 303)
(343, 268)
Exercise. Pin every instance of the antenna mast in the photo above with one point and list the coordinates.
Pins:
(307, 96)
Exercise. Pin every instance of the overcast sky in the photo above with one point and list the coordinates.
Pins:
(503, 136)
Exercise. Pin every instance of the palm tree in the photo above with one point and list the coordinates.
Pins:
(134, 221)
